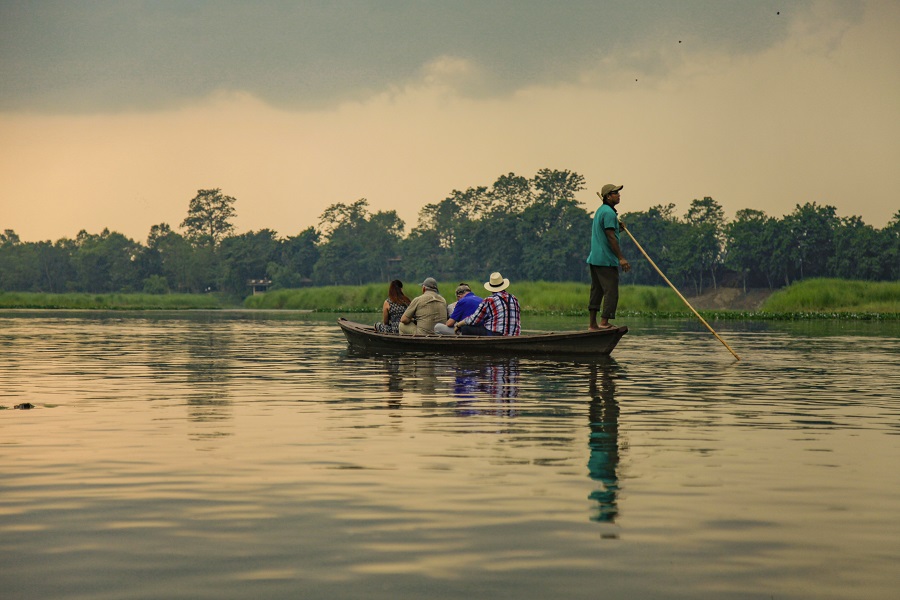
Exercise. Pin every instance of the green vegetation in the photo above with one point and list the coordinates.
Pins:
(836, 296)
(530, 228)
(809, 299)
(802, 300)
(534, 296)
(109, 301)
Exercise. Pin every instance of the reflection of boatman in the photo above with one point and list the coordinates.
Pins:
(604, 442)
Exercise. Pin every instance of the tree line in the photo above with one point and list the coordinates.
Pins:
(527, 228)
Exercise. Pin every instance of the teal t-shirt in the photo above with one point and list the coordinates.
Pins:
(601, 253)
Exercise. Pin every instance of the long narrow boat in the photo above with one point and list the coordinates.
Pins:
(592, 343)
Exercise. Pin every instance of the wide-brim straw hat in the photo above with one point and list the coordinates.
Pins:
(497, 283)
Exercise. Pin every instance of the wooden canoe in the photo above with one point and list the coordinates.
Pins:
(591, 343)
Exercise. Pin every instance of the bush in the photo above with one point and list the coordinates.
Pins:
(156, 284)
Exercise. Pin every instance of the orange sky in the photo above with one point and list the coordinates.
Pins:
(809, 117)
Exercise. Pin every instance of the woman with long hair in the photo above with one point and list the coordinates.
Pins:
(393, 308)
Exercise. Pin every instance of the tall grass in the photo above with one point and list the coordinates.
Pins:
(109, 301)
(836, 295)
(806, 299)
(534, 296)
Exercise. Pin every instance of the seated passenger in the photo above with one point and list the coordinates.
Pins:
(466, 303)
(393, 308)
(498, 314)
(425, 311)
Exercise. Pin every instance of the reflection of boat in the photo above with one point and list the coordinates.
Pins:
(364, 337)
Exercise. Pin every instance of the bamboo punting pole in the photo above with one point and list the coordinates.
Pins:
(661, 274)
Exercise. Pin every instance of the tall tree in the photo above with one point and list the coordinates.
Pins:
(358, 246)
(811, 228)
(105, 262)
(655, 229)
(245, 257)
(551, 186)
(169, 255)
(707, 221)
(859, 251)
(748, 250)
(891, 237)
(209, 217)
(299, 254)
(510, 194)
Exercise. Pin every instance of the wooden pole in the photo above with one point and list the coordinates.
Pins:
(661, 274)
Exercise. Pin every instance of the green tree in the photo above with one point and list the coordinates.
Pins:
(170, 255)
(706, 237)
(105, 262)
(859, 251)
(358, 246)
(553, 232)
(655, 230)
(18, 265)
(299, 254)
(509, 194)
(209, 217)
(811, 228)
(749, 243)
(247, 256)
(555, 238)
(891, 240)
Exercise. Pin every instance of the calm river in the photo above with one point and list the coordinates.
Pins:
(248, 455)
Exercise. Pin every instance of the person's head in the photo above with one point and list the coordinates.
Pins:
(395, 292)
(496, 283)
(429, 284)
(610, 193)
(462, 289)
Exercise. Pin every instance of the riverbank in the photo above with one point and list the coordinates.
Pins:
(817, 298)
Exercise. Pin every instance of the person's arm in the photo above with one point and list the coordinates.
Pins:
(385, 313)
(410, 312)
(614, 245)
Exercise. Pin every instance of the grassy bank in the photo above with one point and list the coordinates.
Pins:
(535, 297)
(816, 298)
(836, 296)
(109, 301)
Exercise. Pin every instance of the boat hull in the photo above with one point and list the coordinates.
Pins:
(590, 343)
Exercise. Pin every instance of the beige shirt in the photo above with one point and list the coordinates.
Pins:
(425, 311)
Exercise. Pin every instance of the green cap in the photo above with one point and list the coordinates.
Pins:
(609, 188)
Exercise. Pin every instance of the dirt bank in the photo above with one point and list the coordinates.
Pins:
(730, 299)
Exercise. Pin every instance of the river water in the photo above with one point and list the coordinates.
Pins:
(249, 455)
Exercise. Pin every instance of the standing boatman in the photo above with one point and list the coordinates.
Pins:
(605, 259)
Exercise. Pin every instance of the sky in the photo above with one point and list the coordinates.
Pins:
(113, 114)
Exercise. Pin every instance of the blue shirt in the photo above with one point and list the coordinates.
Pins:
(465, 306)
(601, 254)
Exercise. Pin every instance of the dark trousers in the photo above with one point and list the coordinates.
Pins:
(604, 290)
(476, 330)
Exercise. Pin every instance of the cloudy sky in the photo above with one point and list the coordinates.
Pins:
(114, 113)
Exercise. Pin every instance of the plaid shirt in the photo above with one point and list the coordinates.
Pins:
(499, 312)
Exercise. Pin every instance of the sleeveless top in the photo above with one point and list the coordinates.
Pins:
(395, 311)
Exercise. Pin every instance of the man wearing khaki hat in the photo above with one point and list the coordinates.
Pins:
(605, 259)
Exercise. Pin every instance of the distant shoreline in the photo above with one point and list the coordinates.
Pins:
(813, 299)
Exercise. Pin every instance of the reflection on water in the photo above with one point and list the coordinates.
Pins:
(193, 455)
(208, 370)
(604, 440)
